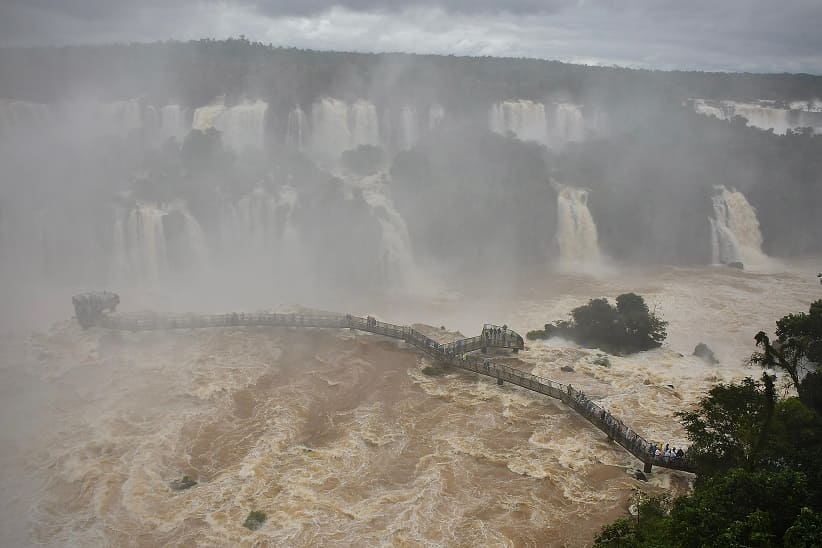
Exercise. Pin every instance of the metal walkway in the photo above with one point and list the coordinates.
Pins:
(90, 309)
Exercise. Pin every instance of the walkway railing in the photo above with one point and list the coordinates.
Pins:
(90, 311)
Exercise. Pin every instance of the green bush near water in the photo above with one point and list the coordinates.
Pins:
(625, 328)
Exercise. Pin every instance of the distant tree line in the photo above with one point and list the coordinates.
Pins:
(194, 72)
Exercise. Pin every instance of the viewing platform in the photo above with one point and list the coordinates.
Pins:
(91, 310)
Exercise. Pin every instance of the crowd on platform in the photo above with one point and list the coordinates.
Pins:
(667, 452)
(618, 430)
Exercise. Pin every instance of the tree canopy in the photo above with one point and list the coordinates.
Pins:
(759, 476)
(797, 351)
(622, 329)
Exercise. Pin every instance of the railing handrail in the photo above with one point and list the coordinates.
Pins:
(455, 353)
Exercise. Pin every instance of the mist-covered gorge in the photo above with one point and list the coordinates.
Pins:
(375, 171)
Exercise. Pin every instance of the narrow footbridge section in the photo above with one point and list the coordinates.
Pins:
(90, 310)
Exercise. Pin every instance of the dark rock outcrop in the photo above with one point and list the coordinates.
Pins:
(182, 484)
(704, 353)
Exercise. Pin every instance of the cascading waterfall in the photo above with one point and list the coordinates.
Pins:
(194, 243)
(173, 123)
(139, 244)
(250, 223)
(329, 123)
(553, 126)
(525, 119)
(765, 114)
(206, 117)
(242, 126)
(436, 115)
(566, 125)
(120, 117)
(337, 126)
(295, 134)
(364, 124)
(143, 247)
(116, 118)
(576, 231)
(290, 238)
(397, 262)
(409, 129)
(257, 229)
(735, 234)
(764, 117)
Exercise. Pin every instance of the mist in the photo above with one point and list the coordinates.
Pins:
(217, 176)
(288, 174)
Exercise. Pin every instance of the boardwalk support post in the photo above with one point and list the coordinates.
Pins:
(647, 468)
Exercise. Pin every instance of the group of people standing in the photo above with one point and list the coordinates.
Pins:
(501, 333)
(667, 452)
(619, 430)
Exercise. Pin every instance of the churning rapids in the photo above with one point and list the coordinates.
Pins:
(340, 438)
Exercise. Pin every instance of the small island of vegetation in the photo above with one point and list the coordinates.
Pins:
(625, 328)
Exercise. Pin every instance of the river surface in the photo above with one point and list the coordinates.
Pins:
(339, 438)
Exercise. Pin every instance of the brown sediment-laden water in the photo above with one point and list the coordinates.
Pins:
(341, 439)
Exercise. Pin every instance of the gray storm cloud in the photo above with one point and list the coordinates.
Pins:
(737, 35)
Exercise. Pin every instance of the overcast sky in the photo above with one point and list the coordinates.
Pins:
(735, 35)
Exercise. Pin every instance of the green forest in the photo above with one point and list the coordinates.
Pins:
(759, 476)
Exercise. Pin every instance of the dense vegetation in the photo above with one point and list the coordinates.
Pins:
(194, 72)
(622, 329)
(759, 479)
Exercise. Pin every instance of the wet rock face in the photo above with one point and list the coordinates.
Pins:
(254, 520)
(703, 352)
(182, 484)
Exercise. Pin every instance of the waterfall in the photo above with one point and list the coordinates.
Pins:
(525, 119)
(330, 134)
(194, 241)
(145, 251)
(242, 126)
(764, 114)
(409, 129)
(337, 127)
(556, 126)
(576, 231)
(99, 119)
(764, 117)
(257, 229)
(119, 117)
(206, 117)
(172, 123)
(566, 125)
(295, 133)
(364, 124)
(735, 234)
(398, 267)
(436, 115)
(139, 244)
